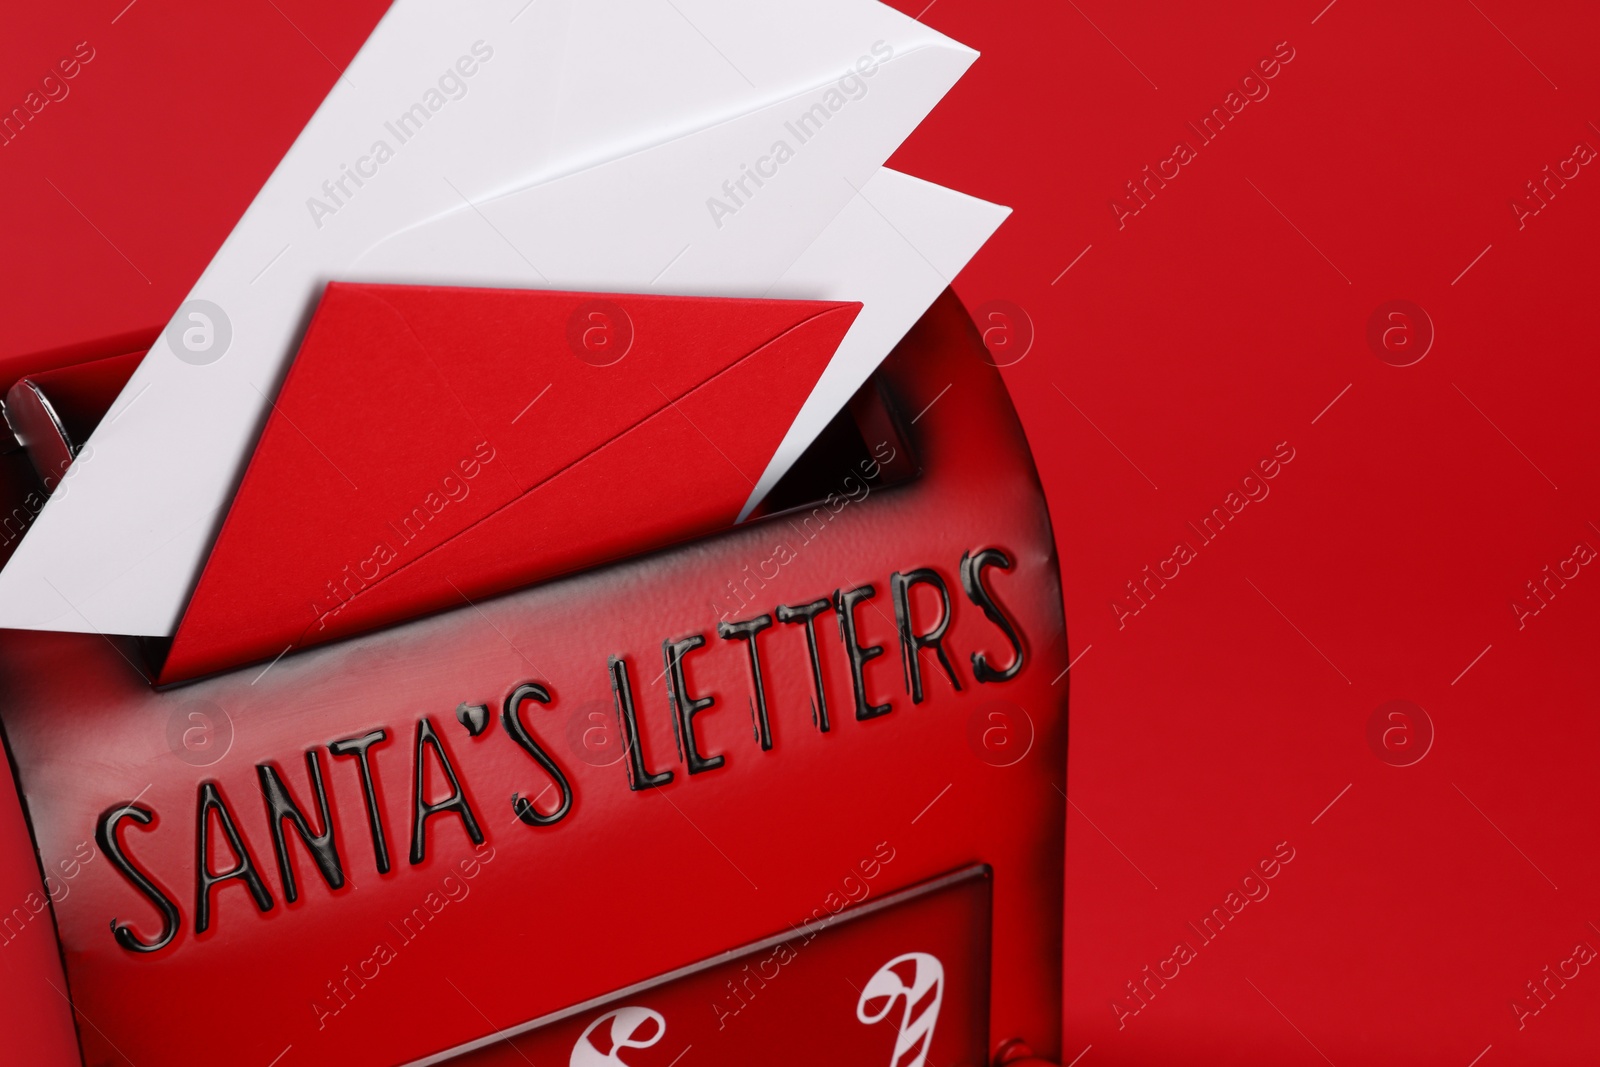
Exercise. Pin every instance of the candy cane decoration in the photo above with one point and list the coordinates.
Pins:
(626, 1023)
(923, 995)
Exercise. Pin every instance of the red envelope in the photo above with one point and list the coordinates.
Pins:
(438, 445)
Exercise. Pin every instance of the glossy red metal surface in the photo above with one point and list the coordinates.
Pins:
(903, 980)
(35, 1014)
(553, 881)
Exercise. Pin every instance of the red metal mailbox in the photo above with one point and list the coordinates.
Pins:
(791, 792)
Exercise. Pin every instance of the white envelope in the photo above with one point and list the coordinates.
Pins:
(577, 144)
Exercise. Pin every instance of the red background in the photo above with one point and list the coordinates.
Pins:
(1231, 713)
(1213, 725)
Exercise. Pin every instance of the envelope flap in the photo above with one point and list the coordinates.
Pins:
(432, 445)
